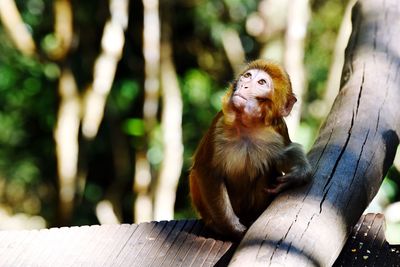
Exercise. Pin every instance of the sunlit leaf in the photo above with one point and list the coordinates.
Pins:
(134, 127)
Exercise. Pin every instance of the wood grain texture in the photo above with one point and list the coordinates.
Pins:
(356, 145)
(172, 243)
(367, 246)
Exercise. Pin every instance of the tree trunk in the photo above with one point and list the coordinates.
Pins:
(333, 83)
(297, 21)
(171, 166)
(143, 206)
(308, 226)
(14, 25)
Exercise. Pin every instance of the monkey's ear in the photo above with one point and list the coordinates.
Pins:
(287, 108)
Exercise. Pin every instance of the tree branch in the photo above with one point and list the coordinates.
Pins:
(308, 226)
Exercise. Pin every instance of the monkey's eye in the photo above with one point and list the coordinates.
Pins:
(262, 82)
(247, 75)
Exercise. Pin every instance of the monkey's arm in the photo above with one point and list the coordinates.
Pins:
(294, 164)
(209, 192)
(214, 204)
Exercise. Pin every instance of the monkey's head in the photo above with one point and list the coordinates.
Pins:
(261, 93)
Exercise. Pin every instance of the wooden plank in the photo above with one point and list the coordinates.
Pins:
(178, 244)
(198, 228)
(28, 255)
(69, 252)
(17, 243)
(49, 248)
(154, 241)
(30, 249)
(211, 259)
(348, 251)
(102, 249)
(225, 254)
(66, 252)
(373, 235)
(41, 249)
(88, 245)
(193, 251)
(135, 242)
(366, 246)
(166, 245)
(123, 236)
(187, 244)
(204, 253)
(195, 248)
(172, 243)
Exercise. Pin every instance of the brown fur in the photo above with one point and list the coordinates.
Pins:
(237, 170)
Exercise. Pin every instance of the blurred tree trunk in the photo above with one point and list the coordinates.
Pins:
(89, 107)
(308, 226)
(105, 66)
(268, 25)
(233, 49)
(66, 132)
(68, 118)
(281, 26)
(297, 20)
(143, 206)
(333, 83)
(171, 167)
(109, 210)
(95, 97)
(171, 126)
(15, 27)
(66, 136)
(74, 107)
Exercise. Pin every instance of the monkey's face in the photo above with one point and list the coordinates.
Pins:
(253, 91)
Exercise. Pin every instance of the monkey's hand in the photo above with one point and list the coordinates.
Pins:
(296, 168)
(288, 180)
(233, 231)
(238, 230)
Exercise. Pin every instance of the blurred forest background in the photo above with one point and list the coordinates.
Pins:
(102, 103)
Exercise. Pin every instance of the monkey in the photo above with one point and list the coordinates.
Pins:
(246, 157)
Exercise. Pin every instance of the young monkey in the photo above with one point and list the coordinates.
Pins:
(246, 157)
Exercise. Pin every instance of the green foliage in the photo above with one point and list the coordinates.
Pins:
(134, 127)
(27, 116)
(322, 31)
(390, 185)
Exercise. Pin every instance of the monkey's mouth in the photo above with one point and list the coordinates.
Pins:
(239, 95)
(239, 101)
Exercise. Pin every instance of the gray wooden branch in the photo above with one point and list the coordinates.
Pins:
(308, 226)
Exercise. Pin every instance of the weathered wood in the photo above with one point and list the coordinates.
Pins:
(308, 226)
(366, 246)
(172, 243)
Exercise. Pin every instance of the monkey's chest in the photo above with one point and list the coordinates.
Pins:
(248, 172)
(245, 160)
(248, 167)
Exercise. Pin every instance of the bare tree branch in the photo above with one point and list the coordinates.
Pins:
(151, 52)
(12, 21)
(167, 182)
(297, 20)
(66, 134)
